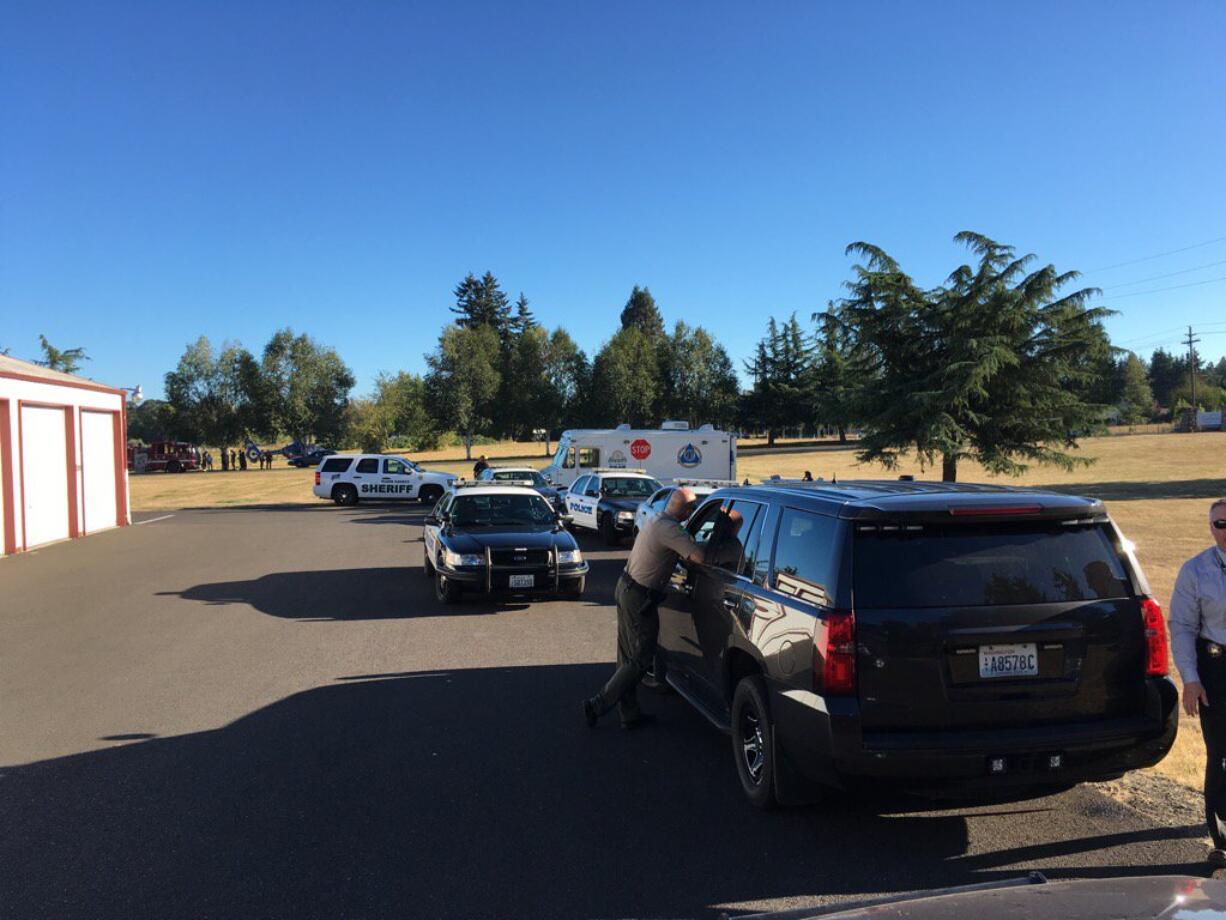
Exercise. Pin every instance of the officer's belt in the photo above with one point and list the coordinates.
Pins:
(1212, 649)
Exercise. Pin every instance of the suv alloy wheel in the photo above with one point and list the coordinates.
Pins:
(345, 494)
(753, 742)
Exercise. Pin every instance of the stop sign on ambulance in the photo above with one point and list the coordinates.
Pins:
(640, 449)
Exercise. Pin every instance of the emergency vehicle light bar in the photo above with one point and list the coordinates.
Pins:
(491, 483)
(716, 483)
(613, 469)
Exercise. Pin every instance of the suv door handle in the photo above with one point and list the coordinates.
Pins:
(731, 603)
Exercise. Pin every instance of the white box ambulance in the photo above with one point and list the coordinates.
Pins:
(672, 451)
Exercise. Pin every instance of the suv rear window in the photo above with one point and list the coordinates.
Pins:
(988, 565)
(336, 465)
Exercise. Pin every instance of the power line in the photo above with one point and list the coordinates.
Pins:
(1174, 287)
(1159, 255)
(1167, 275)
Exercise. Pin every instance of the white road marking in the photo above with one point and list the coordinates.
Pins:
(154, 520)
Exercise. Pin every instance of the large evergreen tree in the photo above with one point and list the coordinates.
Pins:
(482, 302)
(992, 366)
(698, 381)
(835, 383)
(641, 312)
(1166, 372)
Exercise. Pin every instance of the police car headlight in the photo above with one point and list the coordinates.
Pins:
(571, 556)
(625, 515)
(457, 559)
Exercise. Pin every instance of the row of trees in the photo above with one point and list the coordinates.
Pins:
(296, 388)
(1003, 363)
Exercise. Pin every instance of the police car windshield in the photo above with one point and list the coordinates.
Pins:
(626, 487)
(519, 476)
(511, 510)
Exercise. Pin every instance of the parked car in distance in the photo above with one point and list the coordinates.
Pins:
(522, 474)
(659, 499)
(933, 637)
(490, 538)
(312, 457)
(350, 478)
(606, 501)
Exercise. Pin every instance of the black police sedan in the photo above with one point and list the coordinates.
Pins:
(490, 538)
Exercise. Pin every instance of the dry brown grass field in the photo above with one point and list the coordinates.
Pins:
(1157, 486)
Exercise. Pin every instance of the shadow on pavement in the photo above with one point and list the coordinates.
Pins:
(326, 595)
(448, 794)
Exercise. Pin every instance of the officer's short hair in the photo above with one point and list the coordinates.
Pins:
(1220, 503)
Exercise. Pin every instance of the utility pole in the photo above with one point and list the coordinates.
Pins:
(1191, 343)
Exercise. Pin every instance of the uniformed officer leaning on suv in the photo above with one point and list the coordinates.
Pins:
(660, 543)
(1198, 641)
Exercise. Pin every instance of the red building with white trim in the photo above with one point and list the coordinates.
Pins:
(63, 463)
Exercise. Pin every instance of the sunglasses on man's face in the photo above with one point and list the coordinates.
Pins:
(1220, 524)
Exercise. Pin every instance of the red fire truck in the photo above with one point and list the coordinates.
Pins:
(168, 456)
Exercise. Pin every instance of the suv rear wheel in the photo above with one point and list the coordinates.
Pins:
(753, 737)
(345, 494)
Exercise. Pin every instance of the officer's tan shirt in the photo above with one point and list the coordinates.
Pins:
(660, 543)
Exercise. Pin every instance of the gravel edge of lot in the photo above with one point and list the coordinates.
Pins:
(1158, 798)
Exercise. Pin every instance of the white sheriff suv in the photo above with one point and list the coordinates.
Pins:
(350, 478)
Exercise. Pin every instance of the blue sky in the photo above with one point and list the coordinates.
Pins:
(225, 168)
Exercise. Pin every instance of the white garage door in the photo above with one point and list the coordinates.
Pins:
(98, 458)
(44, 474)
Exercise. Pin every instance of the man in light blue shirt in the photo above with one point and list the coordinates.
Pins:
(1198, 643)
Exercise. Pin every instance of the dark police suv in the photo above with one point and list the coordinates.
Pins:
(499, 538)
(917, 636)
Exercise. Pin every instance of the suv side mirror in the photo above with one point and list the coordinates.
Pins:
(430, 519)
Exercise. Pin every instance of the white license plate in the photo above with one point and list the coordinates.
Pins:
(1009, 660)
(527, 581)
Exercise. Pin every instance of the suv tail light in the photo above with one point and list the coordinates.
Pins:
(317, 477)
(1156, 648)
(834, 654)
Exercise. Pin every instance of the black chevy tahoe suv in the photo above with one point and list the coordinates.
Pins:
(930, 637)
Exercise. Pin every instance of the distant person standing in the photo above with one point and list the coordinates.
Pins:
(1198, 643)
(233, 459)
(242, 460)
(480, 466)
(225, 460)
(808, 477)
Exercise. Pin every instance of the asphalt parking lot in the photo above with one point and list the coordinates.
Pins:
(266, 713)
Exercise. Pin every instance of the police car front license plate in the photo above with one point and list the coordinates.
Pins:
(1009, 660)
(527, 581)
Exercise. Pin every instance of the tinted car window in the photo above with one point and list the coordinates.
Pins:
(755, 563)
(701, 524)
(986, 565)
(336, 465)
(500, 510)
(729, 534)
(628, 487)
(368, 465)
(517, 476)
(805, 556)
